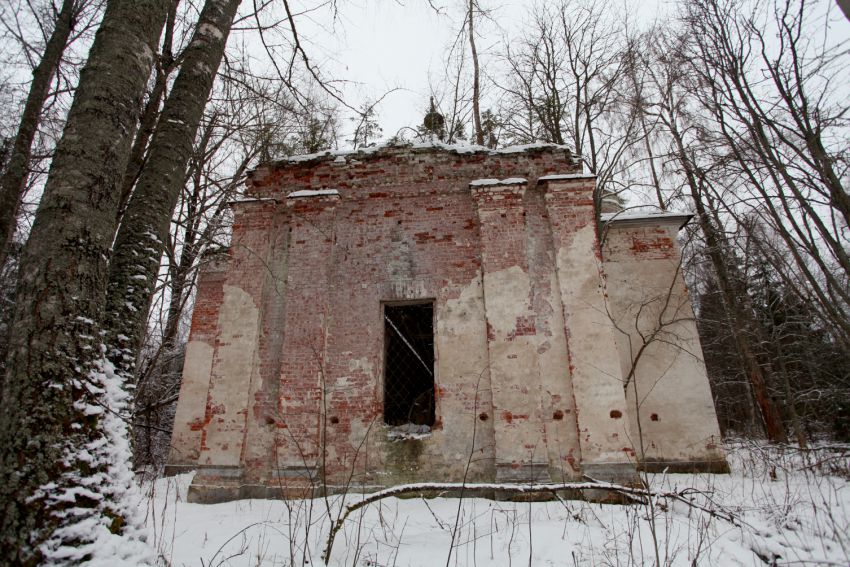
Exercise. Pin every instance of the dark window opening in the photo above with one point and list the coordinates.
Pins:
(409, 364)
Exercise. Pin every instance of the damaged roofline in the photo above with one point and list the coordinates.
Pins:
(373, 152)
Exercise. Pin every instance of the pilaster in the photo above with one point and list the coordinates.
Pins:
(189, 418)
(521, 453)
(299, 420)
(236, 338)
(606, 446)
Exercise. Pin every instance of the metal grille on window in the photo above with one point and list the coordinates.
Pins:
(409, 364)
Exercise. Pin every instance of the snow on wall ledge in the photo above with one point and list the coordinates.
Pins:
(314, 193)
(646, 217)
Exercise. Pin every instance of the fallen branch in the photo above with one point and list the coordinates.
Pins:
(634, 494)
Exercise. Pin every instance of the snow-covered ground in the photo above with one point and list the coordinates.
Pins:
(778, 507)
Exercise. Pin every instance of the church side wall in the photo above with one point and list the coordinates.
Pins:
(660, 351)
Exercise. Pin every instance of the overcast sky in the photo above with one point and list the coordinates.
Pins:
(380, 45)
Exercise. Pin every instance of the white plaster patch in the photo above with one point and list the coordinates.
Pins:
(191, 405)
(238, 339)
(362, 364)
(514, 286)
(408, 289)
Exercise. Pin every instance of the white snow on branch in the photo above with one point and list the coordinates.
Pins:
(252, 200)
(210, 30)
(150, 234)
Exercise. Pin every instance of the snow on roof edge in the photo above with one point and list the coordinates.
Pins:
(491, 182)
(313, 193)
(564, 176)
(456, 148)
(638, 216)
(252, 200)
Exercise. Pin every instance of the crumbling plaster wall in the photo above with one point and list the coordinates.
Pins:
(283, 381)
(670, 408)
(301, 301)
(190, 417)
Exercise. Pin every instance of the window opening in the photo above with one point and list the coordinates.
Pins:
(409, 365)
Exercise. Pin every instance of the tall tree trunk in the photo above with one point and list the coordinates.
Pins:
(64, 474)
(147, 124)
(476, 86)
(790, 399)
(144, 229)
(739, 319)
(14, 178)
(656, 180)
(845, 7)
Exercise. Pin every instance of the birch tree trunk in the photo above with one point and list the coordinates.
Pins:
(14, 178)
(476, 86)
(144, 229)
(64, 459)
(150, 113)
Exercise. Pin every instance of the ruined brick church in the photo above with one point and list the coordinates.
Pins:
(439, 313)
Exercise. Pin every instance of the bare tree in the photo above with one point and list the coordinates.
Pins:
(476, 74)
(669, 106)
(747, 125)
(565, 86)
(367, 128)
(457, 94)
(16, 168)
(144, 228)
(58, 436)
(165, 66)
(239, 127)
(775, 124)
(450, 98)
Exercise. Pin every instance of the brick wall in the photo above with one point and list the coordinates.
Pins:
(304, 293)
